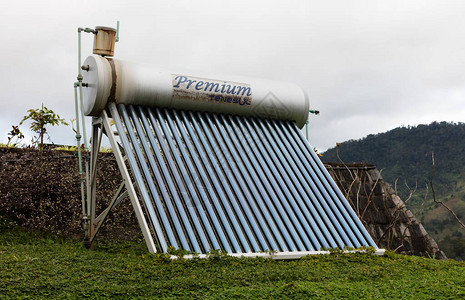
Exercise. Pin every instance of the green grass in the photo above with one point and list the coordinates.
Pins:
(39, 266)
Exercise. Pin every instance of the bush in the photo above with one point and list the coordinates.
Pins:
(46, 196)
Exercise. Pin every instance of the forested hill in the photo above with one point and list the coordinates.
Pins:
(405, 154)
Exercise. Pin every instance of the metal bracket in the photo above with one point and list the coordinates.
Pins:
(117, 198)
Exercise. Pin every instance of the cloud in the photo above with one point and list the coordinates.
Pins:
(368, 66)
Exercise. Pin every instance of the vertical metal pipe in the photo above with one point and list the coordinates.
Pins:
(78, 141)
(306, 129)
(90, 208)
(79, 78)
(84, 130)
(117, 32)
(80, 116)
(79, 54)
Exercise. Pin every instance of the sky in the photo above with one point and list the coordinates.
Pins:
(368, 66)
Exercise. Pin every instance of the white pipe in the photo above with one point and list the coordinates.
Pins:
(82, 116)
(78, 142)
(278, 255)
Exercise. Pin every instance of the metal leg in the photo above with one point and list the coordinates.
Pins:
(127, 179)
(92, 184)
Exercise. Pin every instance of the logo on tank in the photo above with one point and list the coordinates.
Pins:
(211, 90)
(272, 107)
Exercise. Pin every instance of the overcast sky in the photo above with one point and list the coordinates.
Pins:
(368, 66)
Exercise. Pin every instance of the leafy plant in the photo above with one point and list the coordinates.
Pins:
(105, 150)
(14, 137)
(161, 257)
(216, 254)
(180, 253)
(40, 118)
(66, 148)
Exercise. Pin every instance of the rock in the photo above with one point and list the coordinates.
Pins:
(391, 225)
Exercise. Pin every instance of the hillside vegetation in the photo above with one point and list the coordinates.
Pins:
(405, 156)
(38, 266)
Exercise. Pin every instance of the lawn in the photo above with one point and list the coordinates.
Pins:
(41, 266)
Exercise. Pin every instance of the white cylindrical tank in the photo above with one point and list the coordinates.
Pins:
(122, 82)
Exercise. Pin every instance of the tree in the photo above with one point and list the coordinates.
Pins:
(40, 118)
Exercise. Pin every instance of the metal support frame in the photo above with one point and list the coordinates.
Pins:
(102, 126)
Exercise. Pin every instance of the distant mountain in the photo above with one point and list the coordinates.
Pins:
(405, 155)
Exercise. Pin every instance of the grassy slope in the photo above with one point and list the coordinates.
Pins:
(48, 267)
